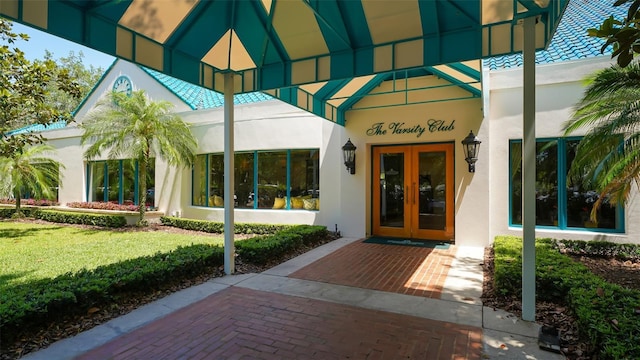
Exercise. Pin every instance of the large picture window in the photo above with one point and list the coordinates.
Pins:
(116, 181)
(560, 203)
(284, 179)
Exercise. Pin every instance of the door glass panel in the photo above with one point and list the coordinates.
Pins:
(432, 179)
(392, 189)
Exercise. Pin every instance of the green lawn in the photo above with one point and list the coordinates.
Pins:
(33, 251)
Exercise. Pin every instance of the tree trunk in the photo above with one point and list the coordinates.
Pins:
(142, 190)
(17, 195)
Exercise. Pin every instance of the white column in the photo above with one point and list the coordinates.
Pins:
(229, 191)
(529, 173)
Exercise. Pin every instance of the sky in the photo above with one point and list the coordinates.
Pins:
(39, 41)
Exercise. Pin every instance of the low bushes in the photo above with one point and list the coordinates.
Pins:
(218, 227)
(600, 249)
(606, 313)
(262, 249)
(7, 212)
(104, 220)
(30, 202)
(112, 221)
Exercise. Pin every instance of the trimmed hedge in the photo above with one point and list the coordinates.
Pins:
(104, 220)
(218, 227)
(7, 212)
(595, 302)
(50, 299)
(600, 249)
(262, 249)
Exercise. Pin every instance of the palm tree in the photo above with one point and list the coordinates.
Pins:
(134, 127)
(29, 169)
(608, 156)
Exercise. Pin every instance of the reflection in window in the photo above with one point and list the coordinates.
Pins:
(564, 206)
(129, 172)
(199, 183)
(98, 183)
(216, 180)
(117, 181)
(287, 179)
(244, 180)
(580, 200)
(272, 180)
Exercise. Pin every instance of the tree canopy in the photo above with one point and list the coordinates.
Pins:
(623, 35)
(135, 127)
(25, 90)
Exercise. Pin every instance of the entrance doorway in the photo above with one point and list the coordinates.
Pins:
(413, 191)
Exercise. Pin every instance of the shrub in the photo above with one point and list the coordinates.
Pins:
(263, 249)
(7, 213)
(600, 249)
(31, 202)
(218, 227)
(104, 220)
(606, 313)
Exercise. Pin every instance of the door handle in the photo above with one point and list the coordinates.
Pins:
(406, 194)
(414, 193)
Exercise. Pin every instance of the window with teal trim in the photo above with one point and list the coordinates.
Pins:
(116, 181)
(560, 203)
(283, 179)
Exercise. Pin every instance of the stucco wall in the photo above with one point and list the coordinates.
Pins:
(471, 197)
(559, 88)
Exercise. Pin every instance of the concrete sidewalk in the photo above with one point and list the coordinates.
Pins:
(451, 320)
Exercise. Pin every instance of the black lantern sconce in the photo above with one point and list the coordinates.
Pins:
(349, 153)
(471, 146)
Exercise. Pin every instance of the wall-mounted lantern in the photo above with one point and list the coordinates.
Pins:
(471, 147)
(349, 153)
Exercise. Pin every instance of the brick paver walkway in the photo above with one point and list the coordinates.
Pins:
(239, 323)
(399, 269)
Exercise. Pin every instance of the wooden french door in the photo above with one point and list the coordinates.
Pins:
(413, 191)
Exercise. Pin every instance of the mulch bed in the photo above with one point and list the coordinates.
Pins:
(35, 339)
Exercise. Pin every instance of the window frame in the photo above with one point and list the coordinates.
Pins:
(256, 155)
(120, 166)
(562, 169)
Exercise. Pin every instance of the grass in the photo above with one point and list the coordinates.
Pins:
(33, 251)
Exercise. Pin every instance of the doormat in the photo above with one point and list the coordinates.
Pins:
(432, 244)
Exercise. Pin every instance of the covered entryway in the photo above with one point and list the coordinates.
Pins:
(413, 192)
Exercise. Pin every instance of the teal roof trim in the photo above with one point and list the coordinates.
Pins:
(38, 128)
(571, 41)
(466, 70)
(198, 98)
(347, 104)
(474, 91)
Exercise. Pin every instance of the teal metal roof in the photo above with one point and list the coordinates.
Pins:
(199, 98)
(273, 44)
(570, 41)
(38, 128)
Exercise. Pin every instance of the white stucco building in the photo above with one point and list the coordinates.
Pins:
(411, 179)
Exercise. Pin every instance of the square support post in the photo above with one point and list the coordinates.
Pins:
(229, 191)
(529, 172)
